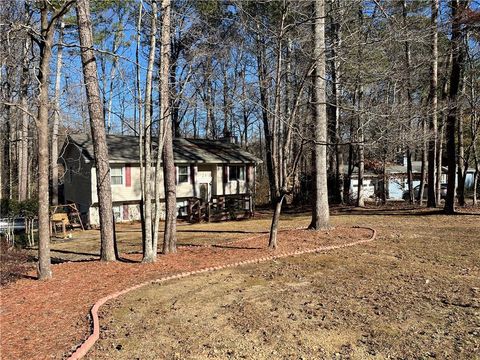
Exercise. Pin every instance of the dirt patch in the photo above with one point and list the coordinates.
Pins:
(49, 319)
(414, 293)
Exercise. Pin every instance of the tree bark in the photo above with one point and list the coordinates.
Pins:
(149, 253)
(170, 235)
(264, 101)
(423, 169)
(335, 160)
(141, 126)
(24, 124)
(272, 241)
(462, 161)
(56, 116)
(432, 143)
(409, 106)
(320, 211)
(97, 126)
(441, 129)
(453, 105)
(361, 149)
(44, 269)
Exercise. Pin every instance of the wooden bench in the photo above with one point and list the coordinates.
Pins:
(59, 219)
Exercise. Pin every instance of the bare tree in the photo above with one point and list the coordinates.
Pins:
(97, 126)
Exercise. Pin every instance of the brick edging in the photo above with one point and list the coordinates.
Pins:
(82, 350)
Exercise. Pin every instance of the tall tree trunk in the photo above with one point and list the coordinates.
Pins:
(409, 106)
(361, 148)
(360, 130)
(474, 130)
(335, 167)
(432, 143)
(23, 153)
(277, 118)
(264, 101)
(97, 125)
(320, 212)
(347, 184)
(439, 164)
(462, 161)
(441, 129)
(44, 270)
(140, 121)
(423, 169)
(56, 116)
(272, 241)
(149, 253)
(170, 235)
(453, 104)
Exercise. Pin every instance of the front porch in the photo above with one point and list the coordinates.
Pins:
(220, 208)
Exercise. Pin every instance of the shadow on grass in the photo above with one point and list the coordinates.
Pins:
(233, 247)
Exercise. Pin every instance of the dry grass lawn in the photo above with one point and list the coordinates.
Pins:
(414, 293)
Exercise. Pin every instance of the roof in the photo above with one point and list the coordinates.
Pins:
(125, 149)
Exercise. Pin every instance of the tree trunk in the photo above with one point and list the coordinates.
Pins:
(438, 181)
(462, 161)
(23, 153)
(97, 126)
(423, 169)
(320, 212)
(474, 130)
(432, 143)
(441, 130)
(453, 105)
(149, 253)
(170, 235)
(475, 185)
(264, 101)
(44, 269)
(361, 150)
(411, 195)
(360, 130)
(140, 121)
(56, 117)
(409, 106)
(272, 242)
(336, 156)
(347, 195)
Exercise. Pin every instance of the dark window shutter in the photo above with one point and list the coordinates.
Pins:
(128, 175)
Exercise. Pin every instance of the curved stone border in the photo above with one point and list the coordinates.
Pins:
(94, 336)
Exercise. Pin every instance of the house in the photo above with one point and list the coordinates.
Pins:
(211, 174)
(397, 181)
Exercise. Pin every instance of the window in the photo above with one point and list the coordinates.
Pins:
(182, 173)
(236, 173)
(116, 175)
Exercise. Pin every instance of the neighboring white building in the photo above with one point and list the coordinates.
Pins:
(397, 180)
(210, 171)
